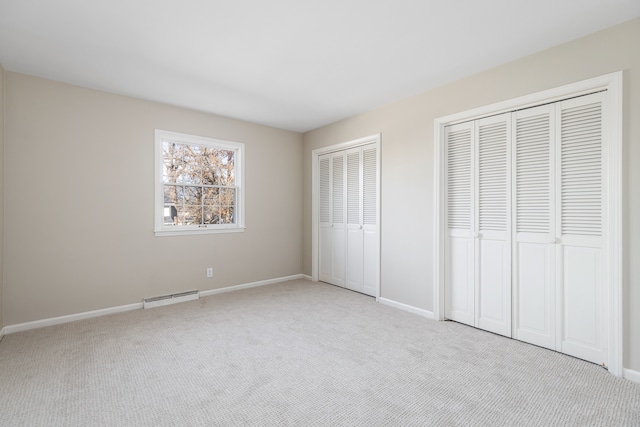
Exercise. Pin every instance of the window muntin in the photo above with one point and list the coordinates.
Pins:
(198, 184)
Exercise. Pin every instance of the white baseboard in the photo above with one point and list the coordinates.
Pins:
(306, 277)
(632, 375)
(250, 285)
(411, 309)
(11, 329)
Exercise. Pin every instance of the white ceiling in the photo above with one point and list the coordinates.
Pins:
(291, 64)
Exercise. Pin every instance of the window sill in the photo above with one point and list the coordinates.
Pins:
(163, 233)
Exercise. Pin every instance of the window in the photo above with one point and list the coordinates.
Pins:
(199, 185)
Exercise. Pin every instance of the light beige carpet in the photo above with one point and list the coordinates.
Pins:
(300, 354)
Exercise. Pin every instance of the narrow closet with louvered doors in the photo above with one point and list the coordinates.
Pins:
(525, 221)
(348, 232)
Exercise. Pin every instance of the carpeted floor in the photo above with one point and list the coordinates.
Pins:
(301, 354)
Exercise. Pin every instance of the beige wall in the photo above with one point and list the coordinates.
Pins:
(79, 193)
(1, 188)
(407, 160)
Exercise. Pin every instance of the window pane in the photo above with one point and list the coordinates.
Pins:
(228, 166)
(227, 205)
(182, 215)
(192, 215)
(211, 196)
(192, 195)
(209, 166)
(192, 173)
(172, 155)
(211, 215)
(179, 195)
(171, 195)
(227, 215)
(170, 214)
(227, 196)
(218, 167)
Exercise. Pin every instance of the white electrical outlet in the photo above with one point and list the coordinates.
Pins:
(209, 272)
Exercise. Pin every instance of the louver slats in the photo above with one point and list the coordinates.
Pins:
(324, 190)
(492, 175)
(581, 166)
(338, 189)
(353, 188)
(459, 179)
(532, 174)
(369, 185)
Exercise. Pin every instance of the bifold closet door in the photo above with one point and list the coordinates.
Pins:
(355, 236)
(525, 225)
(459, 239)
(493, 222)
(534, 243)
(325, 264)
(361, 227)
(560, 186)
(348, 228)
(332, 250)
(338, 220)
(581, 191)
(370, 236)
(477, 245)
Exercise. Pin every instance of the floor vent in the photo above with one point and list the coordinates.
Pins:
(170, 299)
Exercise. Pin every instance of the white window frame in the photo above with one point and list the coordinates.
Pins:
(182, 138)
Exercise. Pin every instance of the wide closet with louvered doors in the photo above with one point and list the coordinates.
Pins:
(525, 219)
(348, 232)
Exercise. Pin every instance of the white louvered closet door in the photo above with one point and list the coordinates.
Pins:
(362, 224)
(371, 252)
(325, 234)
(559, 192)
(525, 197)
(338, 220)
(355, 240)
(581, 183)
(534, 222)
(348, 219)
(493, 225)
(459, 239)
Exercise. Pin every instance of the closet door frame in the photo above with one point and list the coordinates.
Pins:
(315, 194)
(612, 245)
